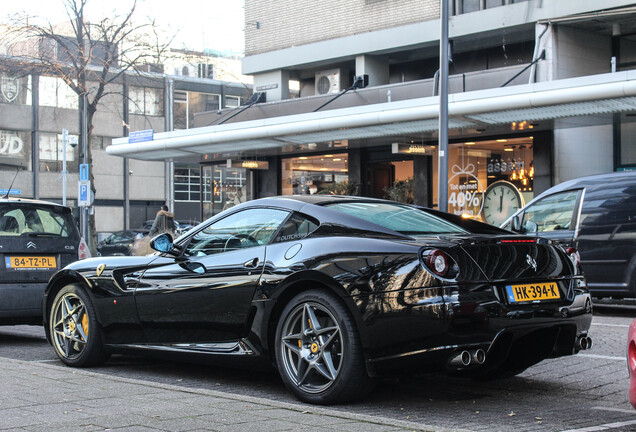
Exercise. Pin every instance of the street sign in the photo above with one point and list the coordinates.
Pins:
(83, 193)
(10, 191)
(83, 172)
(140, 136)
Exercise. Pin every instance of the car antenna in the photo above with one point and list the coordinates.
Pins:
(13, 181)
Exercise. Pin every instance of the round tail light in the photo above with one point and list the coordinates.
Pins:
(439, 263)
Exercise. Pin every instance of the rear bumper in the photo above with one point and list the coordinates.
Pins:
(434, 329)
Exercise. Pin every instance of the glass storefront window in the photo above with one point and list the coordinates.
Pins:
(306, 175)
(224, 188)
(475, 166)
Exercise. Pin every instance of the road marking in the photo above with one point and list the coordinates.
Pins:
(603, 427)
(603, 357)
(610, 325)
(620, 410)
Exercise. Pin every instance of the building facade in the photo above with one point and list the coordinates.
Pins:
(541, 92)
(35, 109)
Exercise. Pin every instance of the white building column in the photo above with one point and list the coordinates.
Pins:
(377, 69)
(274, 83)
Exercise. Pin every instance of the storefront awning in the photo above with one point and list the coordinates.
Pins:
(575, 97)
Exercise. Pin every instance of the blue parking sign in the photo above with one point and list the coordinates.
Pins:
(83, 193)
(83, 172)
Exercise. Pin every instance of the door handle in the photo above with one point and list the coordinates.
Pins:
(251, 263)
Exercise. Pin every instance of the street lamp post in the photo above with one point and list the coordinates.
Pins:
(66, 140)
(442, 183)
(84, 209)
(64, 170)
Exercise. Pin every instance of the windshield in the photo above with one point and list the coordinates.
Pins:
(401, 218)
(33, 220)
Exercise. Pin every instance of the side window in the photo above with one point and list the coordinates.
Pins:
(609, 209)
(553, 213)
(297, 227)
(244, 229)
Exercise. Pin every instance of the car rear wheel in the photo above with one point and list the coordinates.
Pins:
(318, 351)
(75, 333)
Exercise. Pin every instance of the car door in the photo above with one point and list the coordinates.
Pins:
(554, 216)
(205, 294)
(606, 239)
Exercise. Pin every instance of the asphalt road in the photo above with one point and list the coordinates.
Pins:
(582, 393)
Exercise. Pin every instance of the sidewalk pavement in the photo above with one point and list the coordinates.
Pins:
(38, 396)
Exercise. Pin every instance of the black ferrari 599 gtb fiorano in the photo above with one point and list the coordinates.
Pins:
(335, 291)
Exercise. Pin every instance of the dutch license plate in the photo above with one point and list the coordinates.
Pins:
(30, 262)
(533, 292)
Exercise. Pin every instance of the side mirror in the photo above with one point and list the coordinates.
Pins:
(162, 243)
(515, 223)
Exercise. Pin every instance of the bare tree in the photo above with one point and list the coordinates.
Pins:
(88, 56)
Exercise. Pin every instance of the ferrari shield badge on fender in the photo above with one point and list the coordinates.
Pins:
(100, 269)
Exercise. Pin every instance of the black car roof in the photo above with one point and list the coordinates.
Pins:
(4, 200)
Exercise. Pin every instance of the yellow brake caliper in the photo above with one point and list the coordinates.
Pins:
(85, 323)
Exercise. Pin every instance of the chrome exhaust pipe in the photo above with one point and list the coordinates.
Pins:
(478, 356)
(584, 343)
(461, 359)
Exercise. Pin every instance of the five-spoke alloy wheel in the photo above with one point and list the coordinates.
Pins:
(74, 330)
(318, 351)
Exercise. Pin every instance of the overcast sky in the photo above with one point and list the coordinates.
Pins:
(212, 24)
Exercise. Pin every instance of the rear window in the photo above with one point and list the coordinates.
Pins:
(397, 217)
(44, 221)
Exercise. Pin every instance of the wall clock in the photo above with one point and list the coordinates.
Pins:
(501, 200)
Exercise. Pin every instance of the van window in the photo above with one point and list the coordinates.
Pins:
(552, 213)
(609, 209)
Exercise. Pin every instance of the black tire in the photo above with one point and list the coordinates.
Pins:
(318, 350)
(75, 333)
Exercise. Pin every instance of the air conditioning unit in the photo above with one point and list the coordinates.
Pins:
(205, 70)
(329, 81)
(186, 70)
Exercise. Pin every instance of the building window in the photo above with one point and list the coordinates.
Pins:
(15, 90)
(15, 148)
(55, 93)
(180, 113)
(51, 152)
(224, 188)
(187, 184)
(201, 102)
(306, 175)
(146, 101)
(232, 101)
(467, 6)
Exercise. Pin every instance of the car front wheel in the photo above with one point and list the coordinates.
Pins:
(318, 351)
(75, 333)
